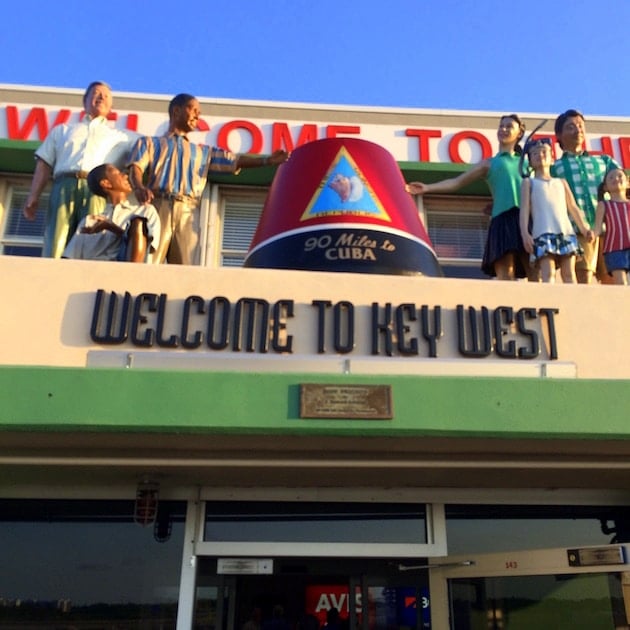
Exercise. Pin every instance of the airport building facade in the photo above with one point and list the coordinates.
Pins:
(181, 446)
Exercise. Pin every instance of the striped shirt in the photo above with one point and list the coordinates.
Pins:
(617, 219)
(584, 173)
(175, 165)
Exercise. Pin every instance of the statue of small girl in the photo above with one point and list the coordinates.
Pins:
(615, 213)
(546, 203)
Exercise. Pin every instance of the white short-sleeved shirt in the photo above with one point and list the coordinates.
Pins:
(106, 245)
(82, 146)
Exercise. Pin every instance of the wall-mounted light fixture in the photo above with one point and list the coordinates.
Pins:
(146, 505)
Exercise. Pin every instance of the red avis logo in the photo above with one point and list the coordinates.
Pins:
(320, 598)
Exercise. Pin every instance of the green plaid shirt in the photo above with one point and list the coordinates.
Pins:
(584, 173)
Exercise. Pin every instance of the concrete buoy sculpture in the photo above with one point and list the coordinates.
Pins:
(340, 205)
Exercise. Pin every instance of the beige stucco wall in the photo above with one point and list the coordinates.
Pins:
(47, 308)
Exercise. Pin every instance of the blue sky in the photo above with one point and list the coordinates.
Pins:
(488, 55)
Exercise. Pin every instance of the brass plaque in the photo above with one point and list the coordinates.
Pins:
(357, 402)
(596, 556)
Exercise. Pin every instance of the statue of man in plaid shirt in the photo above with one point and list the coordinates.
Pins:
(584, 172)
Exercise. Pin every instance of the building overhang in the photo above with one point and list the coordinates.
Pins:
(84, 426)
(18, 157)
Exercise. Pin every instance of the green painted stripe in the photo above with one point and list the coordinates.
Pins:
(17, 156)
(38, 398)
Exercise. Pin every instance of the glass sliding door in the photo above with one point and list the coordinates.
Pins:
(544, 588)
(562, 602)
(306, 592)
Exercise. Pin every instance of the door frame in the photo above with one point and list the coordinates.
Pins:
(195, 546)
(435, 545)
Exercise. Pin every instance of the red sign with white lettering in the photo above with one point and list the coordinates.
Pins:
(320, 598)
(456, 145)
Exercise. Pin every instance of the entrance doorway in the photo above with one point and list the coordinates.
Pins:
(365, 594)
(534, 589)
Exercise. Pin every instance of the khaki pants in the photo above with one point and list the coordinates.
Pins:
(179, 232)
(593, 259)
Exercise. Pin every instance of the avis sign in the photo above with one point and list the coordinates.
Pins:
(321, 598)
(386, 607)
